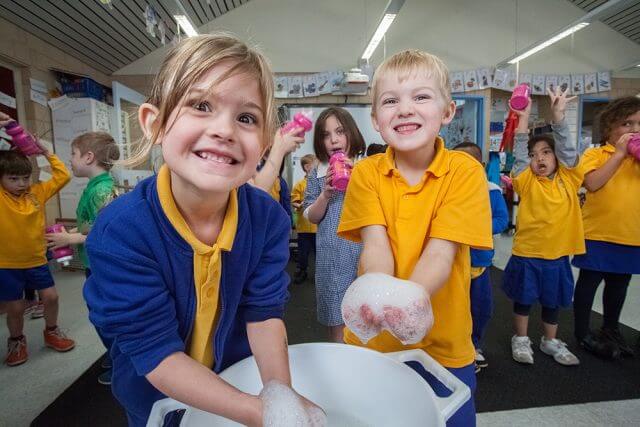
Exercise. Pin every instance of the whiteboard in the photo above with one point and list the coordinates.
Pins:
(362, 116)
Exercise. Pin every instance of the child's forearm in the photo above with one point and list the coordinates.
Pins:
(182, 378)
(316, 211)
(566, 151)
(266, 176)
(60, 175)
(596, 179)
(376, 256)
(520, 154)
(268, 342)
(434, 266)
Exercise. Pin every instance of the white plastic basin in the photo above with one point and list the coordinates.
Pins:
(354, 385)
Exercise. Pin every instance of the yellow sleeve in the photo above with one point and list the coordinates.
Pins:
(574, 176)
(591, 160)
(297, 194)
(362, 205)
(465, 213)
(60, 176)
(275, 190)
(522, 182)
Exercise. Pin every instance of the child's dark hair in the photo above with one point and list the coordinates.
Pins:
(538, 138)
(469, 145)
(615, 112)
(376, 149)
(101, 144)
(14, 163)
(354, 137)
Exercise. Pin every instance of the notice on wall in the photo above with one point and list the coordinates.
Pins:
(39, 97)
(7, 100)
(38, 85)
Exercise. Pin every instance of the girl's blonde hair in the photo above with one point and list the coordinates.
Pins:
(186, 64)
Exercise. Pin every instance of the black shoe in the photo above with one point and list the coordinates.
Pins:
(105, 363)
(599, 345)
(616, 337)
(105, 378)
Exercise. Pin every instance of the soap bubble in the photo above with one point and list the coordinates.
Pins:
(377, 301)
(283, 407)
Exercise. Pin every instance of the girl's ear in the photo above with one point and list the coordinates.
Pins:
(147, 115)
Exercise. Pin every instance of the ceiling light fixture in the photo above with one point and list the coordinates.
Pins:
(549, 42)
(185, 24)
(389, 15)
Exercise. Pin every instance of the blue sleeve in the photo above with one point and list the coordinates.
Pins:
(313, 190)
(128, 300)
(266, 293)
(499, 213)
(285, 196)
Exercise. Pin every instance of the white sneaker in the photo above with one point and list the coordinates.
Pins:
(521, 350)
(558, 349)
(481, 361)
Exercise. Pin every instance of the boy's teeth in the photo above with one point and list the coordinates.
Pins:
(215, 157)
(403, 128)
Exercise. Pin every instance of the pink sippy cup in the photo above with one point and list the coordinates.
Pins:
(341, 171)
(64, 254)
(520, 97)
(299, 120)
(633, 147)
(22, 140)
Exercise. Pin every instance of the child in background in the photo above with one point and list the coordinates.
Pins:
(611, 215)
(481, 260)
(548, 230)
(92, 156)
(374, 149)
(417, 209)
(336, 258)
(189, 269)
(306, 230)
(23, 261)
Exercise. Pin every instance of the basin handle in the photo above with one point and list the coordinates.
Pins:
(160, 410)
(460, 392)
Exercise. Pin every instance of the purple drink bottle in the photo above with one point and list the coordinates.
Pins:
(633, 147)
(341, 171)
(299, 120)
(22, 140)
(63, 255)
(520, 97)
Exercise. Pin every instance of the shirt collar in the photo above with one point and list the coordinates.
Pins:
(609, 148)
(438, 167)
(229, 225)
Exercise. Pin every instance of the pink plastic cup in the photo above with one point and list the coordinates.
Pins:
(341, 172)
(299, 121)
(633, 147)
(22, 140)
(520, 97)
(63, 255)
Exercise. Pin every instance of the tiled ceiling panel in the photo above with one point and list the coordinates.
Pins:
(106, 36)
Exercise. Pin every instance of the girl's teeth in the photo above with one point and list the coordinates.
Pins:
(215, 158)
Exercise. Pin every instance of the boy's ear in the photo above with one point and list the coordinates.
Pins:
(89, 157)
(147, 115)
(374, 121)
(449, 113)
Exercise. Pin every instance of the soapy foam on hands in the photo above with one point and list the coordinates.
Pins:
(282, 407)
(377, 301)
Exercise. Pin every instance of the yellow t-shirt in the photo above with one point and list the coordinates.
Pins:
(22, 220)
(207, 265)
(612, 214)
(275, 190)
(297, 195)
(452, 203)
(549, 222)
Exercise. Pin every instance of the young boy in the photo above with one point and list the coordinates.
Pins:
(92, 156)
(23, 261)
(306, 230)
(418, 208)
(481, 260)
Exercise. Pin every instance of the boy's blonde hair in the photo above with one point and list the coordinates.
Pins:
(187, 63)
(409, 62)
(101, 144)
(306, 159)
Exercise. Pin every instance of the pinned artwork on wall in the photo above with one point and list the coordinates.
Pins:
(310, 85)
(282, 87)
(591, 83)
(470, 80)
(500, 78)
(604, 81)
(295, 87)
(577, 84)
(537, 84)
(457, 82)
(564, 82)
(324, 83)
(484, 78)
(551, 83)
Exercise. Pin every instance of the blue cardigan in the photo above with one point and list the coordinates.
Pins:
(141, 295)
(500, 221)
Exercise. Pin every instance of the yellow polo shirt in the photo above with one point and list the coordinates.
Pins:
(612, 214)
(451, 202)
(22, 220)
(207, 265)
(549, 221)
(303, 225)
(275, 190)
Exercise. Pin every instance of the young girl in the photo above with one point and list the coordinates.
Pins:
(548, 230)
(336, 258)
(188, 270)
(611, 217)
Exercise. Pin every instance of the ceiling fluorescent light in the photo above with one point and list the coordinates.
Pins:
(185, 24)
(549, 42)
(386, 22)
